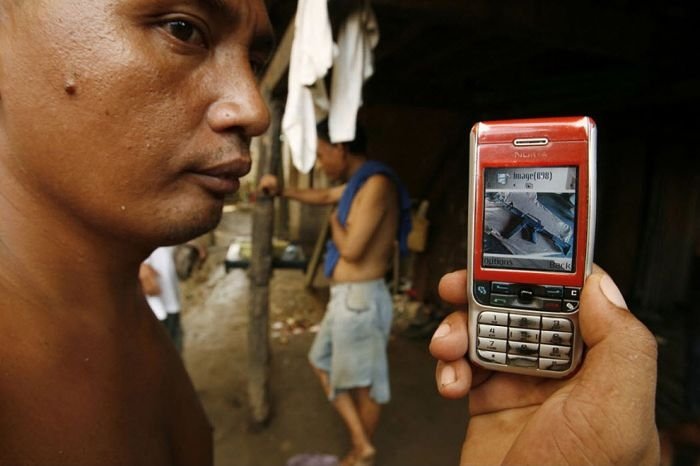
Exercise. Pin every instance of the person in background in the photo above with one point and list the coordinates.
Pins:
(161, 285)
(349, 352)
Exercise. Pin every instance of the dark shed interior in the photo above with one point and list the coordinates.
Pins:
(442, 65)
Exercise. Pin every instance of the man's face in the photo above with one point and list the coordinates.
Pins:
(133, 117)
(332, 159)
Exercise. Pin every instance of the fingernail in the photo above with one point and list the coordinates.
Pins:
(612, 292)
(447, 376)
(442, 330)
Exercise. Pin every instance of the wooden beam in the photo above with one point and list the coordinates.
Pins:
(279, 64)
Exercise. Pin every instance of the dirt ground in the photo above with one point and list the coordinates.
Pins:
(417, 427)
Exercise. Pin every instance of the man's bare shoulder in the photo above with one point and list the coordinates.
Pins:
(380, 181)
(71, 388)
(378, 186)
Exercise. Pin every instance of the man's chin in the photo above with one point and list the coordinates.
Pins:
(193, 227)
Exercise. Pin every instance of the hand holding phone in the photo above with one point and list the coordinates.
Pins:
(531, 233)
(604, 414)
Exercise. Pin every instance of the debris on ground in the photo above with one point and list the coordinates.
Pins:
(312, 459)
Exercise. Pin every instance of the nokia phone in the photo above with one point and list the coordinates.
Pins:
(531, 232)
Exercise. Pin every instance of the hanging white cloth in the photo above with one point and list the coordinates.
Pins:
(311, 57)
(352, 66)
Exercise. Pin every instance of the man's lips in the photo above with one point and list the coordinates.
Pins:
(222, 178)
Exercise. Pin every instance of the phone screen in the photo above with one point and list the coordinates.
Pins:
(529, 218)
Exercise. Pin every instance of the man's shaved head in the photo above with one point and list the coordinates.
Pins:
(157, 100)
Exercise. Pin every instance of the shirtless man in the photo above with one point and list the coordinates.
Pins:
(349, 352)
(123, 124)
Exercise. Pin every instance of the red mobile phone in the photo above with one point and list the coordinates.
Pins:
(531, 233)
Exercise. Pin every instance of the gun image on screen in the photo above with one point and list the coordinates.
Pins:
(531, 227)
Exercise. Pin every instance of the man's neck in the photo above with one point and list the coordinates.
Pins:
(355, 161)
(58, 263)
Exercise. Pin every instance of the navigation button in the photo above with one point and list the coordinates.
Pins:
(526, 295)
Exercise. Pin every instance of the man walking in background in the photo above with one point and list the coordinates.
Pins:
(349, 352)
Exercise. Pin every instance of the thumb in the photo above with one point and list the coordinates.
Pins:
(621, 350)
(604, 313)
(619, 369)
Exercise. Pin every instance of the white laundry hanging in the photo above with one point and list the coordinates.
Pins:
(352, 66)
(311, 57)
(313, 53)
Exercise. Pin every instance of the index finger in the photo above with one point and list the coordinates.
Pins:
(453, 287)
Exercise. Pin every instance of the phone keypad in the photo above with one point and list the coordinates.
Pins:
(525, 321)
(523, 340)
(556, 323)
(493, 331)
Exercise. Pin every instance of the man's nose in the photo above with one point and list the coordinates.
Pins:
(240, 105)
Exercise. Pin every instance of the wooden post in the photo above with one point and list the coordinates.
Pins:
(258, 316)
(260, 273)
(312, 267)
(260, 270)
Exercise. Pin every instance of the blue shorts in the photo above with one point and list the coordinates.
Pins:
(351, 343)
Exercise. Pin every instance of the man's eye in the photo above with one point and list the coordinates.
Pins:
(186, 32)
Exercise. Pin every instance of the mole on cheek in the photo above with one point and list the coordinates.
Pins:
(70, 87)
